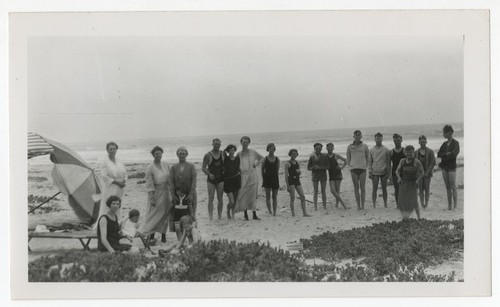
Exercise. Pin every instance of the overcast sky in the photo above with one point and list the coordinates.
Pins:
(100, 88)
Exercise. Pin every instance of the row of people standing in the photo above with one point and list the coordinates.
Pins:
(410, 170)
(237, 176)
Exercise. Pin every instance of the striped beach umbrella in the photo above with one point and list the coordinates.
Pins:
(37, 146)
(72, 175)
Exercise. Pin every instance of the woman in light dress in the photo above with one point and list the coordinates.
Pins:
(247, 196)
(409, 173)
(159, 201)
(114, 176)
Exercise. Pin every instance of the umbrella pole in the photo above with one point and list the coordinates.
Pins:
(43, 202)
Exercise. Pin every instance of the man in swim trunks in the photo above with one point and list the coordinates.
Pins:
(379, 164)
(212, 166)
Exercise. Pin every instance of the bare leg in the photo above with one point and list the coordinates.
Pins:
(211, 194)
(337, 188)
(362, 181)
(333, 188)
(448, 187)
(178, 231)
(235, 196)
(323, 193)
(220, 199)
(417, 211)
(292, 199)
(302, 200)
(355, 182)
(374, 189)
(315, 195)
(230, 205)
(421, 192)
(452, 175)
(384, 190)
(275, 201)
(396, 189)
(268, 200)
(427, 188)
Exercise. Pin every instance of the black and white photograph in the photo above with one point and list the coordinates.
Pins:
(240, 149)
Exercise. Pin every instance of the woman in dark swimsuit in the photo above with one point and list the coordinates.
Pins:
(232, 178)
(270, 178)
(292, 179)
(426, 157)
(108, 230)
(335, 173)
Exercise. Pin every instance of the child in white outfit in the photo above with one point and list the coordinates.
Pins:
(129, 227)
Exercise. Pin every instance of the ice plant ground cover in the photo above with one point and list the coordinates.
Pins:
(391, 251)
(387, 246)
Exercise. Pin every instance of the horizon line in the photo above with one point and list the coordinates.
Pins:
(258, 133)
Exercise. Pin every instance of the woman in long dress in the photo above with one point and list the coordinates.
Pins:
(114, 176)
(183, 176)
(409, 173)
(247, 197)
(159, 202)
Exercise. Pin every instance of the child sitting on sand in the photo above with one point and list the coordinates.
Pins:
(189, 233)
(182, 207)
(129, 228)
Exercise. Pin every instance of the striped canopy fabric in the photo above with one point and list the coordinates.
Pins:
(37, 146)
(72, 175)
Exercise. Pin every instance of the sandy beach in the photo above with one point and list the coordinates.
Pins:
(278, 231)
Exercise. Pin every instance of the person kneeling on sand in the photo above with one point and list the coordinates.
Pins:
(189, 233)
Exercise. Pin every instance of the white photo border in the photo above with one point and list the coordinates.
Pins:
(472, 24)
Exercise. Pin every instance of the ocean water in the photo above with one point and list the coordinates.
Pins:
(138, 150)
